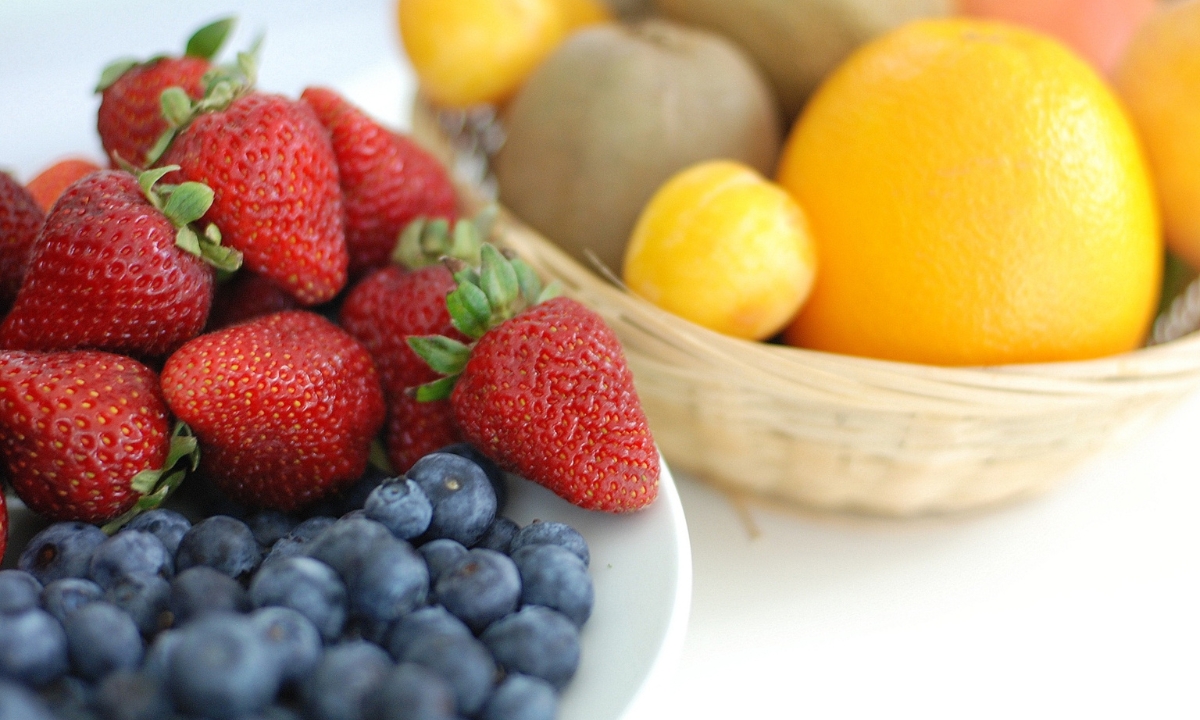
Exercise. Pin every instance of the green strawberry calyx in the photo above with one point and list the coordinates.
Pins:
(205, 43)
(426, 241)
(184, 205)
(500, 289)
(155, 486)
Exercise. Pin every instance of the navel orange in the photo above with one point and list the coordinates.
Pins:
(977, 197)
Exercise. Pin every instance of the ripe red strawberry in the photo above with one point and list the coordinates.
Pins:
(275, 184)
(85, 435)
(117, 267)
(130, 119)
(387, 179)
(544, 390)
(284, 406)
(245, 297)
(20, 221)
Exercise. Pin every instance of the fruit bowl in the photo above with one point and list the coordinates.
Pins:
(839, 433)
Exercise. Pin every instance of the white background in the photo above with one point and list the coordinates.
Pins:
(1082, 603)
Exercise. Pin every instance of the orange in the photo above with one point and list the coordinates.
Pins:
(48, 184)
(466, 52)
(1159, 79)
(1098, 30)
(978, 197)
(722, 246)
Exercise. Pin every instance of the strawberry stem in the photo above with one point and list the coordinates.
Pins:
(425, 241)
(207, 41)
(184, 205)
(155, 486)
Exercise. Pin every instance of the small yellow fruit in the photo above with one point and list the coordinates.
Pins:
(581, 13)
(722, 246)
(466, 52)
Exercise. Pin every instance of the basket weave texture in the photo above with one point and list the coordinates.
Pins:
(840, 433)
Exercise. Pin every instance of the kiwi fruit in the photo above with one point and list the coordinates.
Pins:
(613, 113)
(798, 42)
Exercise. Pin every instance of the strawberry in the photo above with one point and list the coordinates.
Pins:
(130, 119)
(118, 267)
(285, 407)
(20, 221)
(275, 184)
(391, 304)
(47, 185)
(247, 296)
(387, 179)
(543, 389)
(85, 435)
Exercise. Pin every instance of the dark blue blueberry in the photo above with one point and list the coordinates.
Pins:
(133, 695)
(220, 542)
(131, 552)
(496, 476)
(441, 555)
(462, 661)
(102, 638)
(344, 544)
(62, 597)
(221, 669)
(166, 525)
(359, 513)
(499, 535)
(61, 550)
(552, 533)
(342, 680)
(464, 502)
(401, 506)
(19, 591)
(146, 599)
(70, 698)
(268, 526)
(433, 620)
(482, 587)
(157, 661)
(553, 576)
(522, 697)
(307, 586)
(19, 703)
(33, 647)
(535, 641)
(412, 692)
(291, 638)
(296, 542)
(201, 589)
(356, 496)
(392, 580)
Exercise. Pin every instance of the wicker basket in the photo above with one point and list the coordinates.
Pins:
(835, 432)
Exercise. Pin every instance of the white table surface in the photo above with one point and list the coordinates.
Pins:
(1082, 603)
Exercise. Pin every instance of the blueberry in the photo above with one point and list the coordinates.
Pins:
(307, 586)
(33, 647)
(555, 577)
(101, 638)
(146, 599)
(221, 669)
(220, 542)
(268, 526)
(19, 591)
(552, 533)
(201, 589)
(361, 627)
(433, 620)
(356, 496)
(535, 641)
(157, 660)
(296, 542)
(166, 525)
(61, 550)
(132, 552)
(440, 555)
(292, 638)
(62, 597)
(392, 580)
(343, 545)
(343, 679)
(132, 695)
(482, 587)
(495, 475)
(411, 692)
(462, 661)
(18, 703)
(499, 535)
(69, 698)
(522, 697)
(464, 502)
(401, 506)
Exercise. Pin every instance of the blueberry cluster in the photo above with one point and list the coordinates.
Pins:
(419, 601)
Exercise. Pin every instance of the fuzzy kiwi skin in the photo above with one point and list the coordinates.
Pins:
(615, 112)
